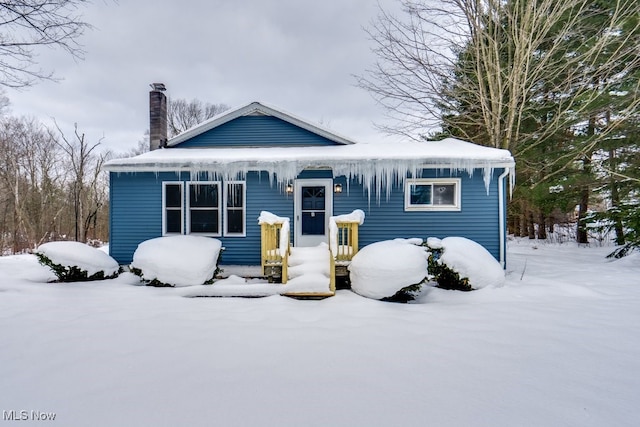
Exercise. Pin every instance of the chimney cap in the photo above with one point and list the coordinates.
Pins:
(158, 87)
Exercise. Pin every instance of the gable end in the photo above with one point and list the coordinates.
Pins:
(256, 130)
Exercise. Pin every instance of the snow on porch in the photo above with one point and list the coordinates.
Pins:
(309, 275)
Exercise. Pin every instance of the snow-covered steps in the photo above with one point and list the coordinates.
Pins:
(309, 272)
(309, 277)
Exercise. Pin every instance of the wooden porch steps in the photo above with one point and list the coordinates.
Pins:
(309, 275)
(308, 271)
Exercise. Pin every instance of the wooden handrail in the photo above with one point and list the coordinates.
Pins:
(347, 240)
(346, 246)
(271, 255)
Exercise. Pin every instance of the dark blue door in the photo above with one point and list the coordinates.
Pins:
(313, 210)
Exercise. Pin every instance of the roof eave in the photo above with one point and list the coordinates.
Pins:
(260, 165)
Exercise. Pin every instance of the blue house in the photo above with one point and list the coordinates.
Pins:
(216, 178)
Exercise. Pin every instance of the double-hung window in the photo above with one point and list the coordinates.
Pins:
(235, 212)
(172, 207)
(203, 208)
(207, 208)
(436, 194)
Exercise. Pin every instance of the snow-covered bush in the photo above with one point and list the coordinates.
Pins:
(462, 264)
(75, 261)
(391, 270)
(177, 260)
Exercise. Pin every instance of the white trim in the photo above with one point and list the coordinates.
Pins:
(164, 207)
(457, 206)
(253, 109)
(244, 208)
(188, 207)
(299, 239)
(502, 215)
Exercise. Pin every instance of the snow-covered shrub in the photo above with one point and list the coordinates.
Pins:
(462, 264)
(177, 260)
(76, 262)
(391, 270)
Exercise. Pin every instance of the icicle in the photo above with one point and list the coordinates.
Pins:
(376, 175)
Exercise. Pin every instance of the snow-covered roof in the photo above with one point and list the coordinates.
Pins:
(376, 164)
(252, 109)
(449, 152)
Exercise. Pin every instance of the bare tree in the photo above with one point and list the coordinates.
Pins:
(514, 47)
(88, 196)
(30, 184)
(28, 24)
(183, 114)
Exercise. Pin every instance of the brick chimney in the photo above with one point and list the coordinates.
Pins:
(157, 116)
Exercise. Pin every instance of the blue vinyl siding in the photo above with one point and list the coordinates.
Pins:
(255, 131)
(136, 212)
(477, 220)
(260, 196)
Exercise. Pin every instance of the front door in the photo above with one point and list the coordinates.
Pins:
(313, 207)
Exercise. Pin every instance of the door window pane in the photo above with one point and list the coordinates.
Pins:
(313, 223)
(313, 198)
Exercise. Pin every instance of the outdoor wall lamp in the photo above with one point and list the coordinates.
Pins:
(337, 188)
(289, 188)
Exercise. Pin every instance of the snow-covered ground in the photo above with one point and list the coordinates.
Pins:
(557, 345)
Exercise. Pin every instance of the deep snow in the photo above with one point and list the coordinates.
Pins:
(76, 254)
(178, 260)
(557, 345)
(372, 273)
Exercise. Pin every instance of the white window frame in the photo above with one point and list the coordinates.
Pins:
(187, 196)
(457, 206)
(226, 209)
(164, 207)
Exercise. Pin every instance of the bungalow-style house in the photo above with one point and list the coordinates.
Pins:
(216, 178)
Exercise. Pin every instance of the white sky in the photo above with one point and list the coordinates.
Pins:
(297, 55)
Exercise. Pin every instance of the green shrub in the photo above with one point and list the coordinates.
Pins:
(157, 283)
(443, 275)
(71, 273)
(406, 294)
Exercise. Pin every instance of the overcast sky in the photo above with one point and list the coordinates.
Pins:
(298, 55)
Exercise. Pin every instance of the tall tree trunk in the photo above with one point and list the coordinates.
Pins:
(542, 227)
(531, 226)
(522, 232)
(585, 191)
(615, 200)
(582, 235)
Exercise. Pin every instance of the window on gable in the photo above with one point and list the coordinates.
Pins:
(204, 208)
(235, 211)
(432, 194)
(172, 208)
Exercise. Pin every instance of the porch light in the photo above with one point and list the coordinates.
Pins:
(289, 188)
(337, 188)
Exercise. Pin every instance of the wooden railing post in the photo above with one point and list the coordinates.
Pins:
(344, 248)
(271, 255)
